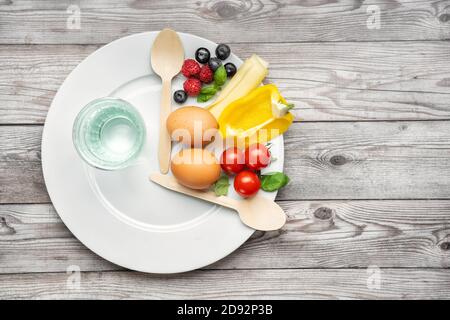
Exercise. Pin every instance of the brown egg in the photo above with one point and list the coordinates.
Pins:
(193, 126)
(195, 168)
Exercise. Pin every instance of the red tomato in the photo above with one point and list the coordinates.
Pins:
(246, 183)
(257, 156)
(232, 161)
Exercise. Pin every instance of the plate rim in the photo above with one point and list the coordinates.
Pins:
(59, 209)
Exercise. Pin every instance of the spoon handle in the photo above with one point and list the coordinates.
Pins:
(169, 182)
(165, 142)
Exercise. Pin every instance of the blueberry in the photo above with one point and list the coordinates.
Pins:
(180, 96)
(230, 68)
(214, 63)
(223, 51)
(202, 55)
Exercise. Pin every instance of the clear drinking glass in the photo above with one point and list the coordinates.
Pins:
(109, 133)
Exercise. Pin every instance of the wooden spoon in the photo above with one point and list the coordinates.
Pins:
(167, 58)
(258, 212)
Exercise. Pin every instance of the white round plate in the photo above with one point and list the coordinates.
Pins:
(121, 215)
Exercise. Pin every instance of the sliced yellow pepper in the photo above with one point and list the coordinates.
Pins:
(259, 116)
(248, 77)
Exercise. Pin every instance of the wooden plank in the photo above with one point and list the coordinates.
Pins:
(233, 284)
(341, 160)
(326, 81)
(101, 21)
(364, 160)
(30, 77)
(21, 178)
(22, 182)
(319, 234)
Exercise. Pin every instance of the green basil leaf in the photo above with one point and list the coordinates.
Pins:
(273, 181)
(220, 76)
(203, 97)
(211, 89)
(221, 186)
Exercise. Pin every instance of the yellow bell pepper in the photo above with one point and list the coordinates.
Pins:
(248, 77)
(259, 116)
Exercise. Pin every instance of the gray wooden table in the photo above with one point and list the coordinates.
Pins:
(369, 201)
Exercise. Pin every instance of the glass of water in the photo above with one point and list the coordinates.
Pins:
(109, 133)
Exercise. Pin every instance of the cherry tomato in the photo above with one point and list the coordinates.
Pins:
(232, 160)
(257, 156)
(246, 183)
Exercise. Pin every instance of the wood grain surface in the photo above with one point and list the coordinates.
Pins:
(233, 284)
(38, 22)
(318, 234)
(340, 160)
(368, 156)
(327, 81)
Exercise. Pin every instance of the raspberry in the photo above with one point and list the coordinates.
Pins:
(190, 68)
(206, 75)
(192, 86)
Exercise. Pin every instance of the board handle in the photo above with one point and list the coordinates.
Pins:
(165, 142)
(171, 183)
